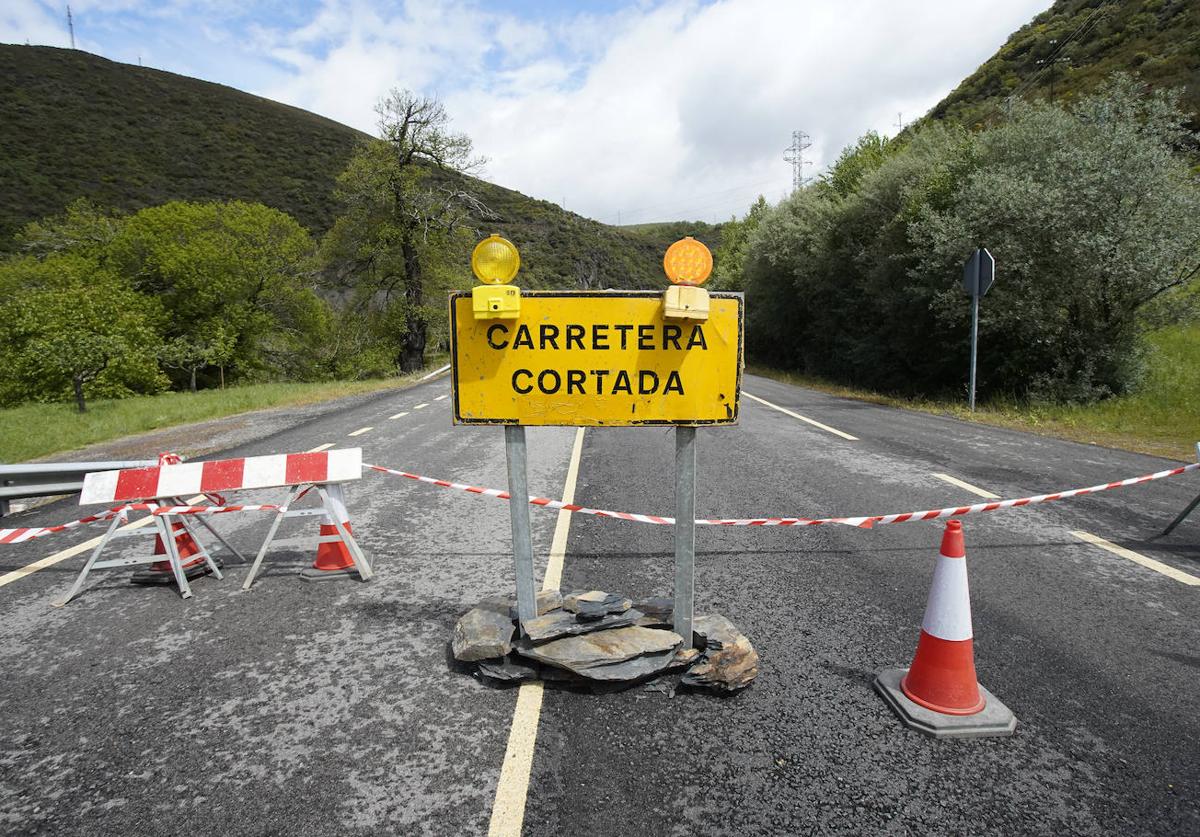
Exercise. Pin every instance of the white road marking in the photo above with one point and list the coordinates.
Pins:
(320, 448)
(508, 810)
(1157, 566)
(421, 406)
(398, 415)
(361, 431)
(72, 551)
(441, 398)
(814, 423)
(967, 486)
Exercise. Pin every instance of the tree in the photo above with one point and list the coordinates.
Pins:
(730, 257)
(72, 329)
(402, 214)
(236, 279)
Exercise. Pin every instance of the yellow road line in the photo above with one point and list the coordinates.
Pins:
(361, 431)
(421, 406)
(508, 809)
(813, 422)
(1157, 566)
(967, 486)
(72, 551)
(320, 448)
(399, 415)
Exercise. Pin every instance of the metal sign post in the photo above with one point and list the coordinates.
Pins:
(979, 273)
(518, 492)
(685, 532)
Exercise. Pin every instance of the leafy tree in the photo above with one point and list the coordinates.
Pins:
(1090, 213)
(236, 280)
(729, 260)
(72, 329)
(401, 220)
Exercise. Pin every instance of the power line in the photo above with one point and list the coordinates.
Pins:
(1050, 60)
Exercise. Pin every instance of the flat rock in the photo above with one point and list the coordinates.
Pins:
(659, 610)
(728, 662)
(638, 668)
(560, 623)
(547, 600)
(483, 632)
(510, 670)
(592, 602)
(580, 654)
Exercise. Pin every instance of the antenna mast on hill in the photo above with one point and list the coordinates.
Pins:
(71, 27)
(794, 154)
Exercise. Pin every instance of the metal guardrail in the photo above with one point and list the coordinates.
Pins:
(50, 478)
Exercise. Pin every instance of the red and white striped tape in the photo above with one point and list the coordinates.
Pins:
(30, 533)
(177, 480)
(859, 522)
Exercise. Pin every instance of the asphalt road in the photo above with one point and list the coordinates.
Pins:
(333, 709)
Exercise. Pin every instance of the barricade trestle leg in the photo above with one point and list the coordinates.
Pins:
(938, 694)
(191, 551)
(338, 553)
(1191, 507)
(165, 529)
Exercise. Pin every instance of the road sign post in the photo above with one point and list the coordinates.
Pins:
(518, 490)
(685, 532)
(979, 272)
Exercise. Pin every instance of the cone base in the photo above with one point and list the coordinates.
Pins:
(150, 577)
(313, 574)
(996, 719)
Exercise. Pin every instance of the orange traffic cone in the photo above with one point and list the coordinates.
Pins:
(939, 694)
(190, 558)
(942, 676)
(333, 557)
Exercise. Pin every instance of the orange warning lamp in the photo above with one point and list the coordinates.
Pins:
(688, 264)
(495, 262)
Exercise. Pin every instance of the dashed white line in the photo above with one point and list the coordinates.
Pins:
(966, 486)
(421, 406)
(1150, 563)
(813, 422)
(320, 448)
(441, 398)
(361, 431)
(398, 415)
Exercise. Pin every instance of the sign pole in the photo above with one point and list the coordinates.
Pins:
(974, 342)
(685, 532)
(518, 506)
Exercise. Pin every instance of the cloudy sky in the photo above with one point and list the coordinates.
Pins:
(635, 110)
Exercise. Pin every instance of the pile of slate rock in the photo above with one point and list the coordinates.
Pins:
(601, 639)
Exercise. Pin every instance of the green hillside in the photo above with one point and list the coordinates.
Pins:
(74, 124)
(1070, 48)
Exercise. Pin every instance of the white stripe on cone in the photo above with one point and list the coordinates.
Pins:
(948, 612)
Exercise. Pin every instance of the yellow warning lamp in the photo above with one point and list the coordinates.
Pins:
(495, 262)
(687, 264)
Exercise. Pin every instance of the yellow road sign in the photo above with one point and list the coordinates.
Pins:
(596, 358)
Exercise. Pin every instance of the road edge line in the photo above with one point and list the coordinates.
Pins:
(512, 788)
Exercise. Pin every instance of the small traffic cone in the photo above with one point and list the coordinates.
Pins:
(333, 558)
(190, 558)
(939, 694)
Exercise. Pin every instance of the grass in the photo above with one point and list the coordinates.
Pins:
(1161, 419)
(36, 430)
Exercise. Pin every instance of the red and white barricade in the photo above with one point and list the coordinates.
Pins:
(162, 488)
